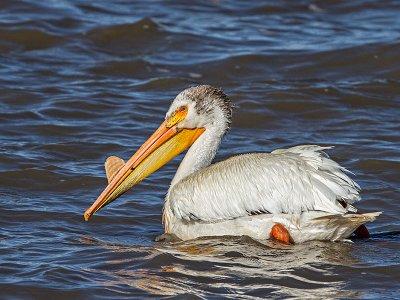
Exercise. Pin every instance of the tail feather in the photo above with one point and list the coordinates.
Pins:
(351, 218)
(342, 226)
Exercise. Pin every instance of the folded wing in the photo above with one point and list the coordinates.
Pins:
(293, 180)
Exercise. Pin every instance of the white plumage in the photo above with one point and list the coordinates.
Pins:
(288, 181)
(301, 188)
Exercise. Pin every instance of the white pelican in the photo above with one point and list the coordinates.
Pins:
(293, 195)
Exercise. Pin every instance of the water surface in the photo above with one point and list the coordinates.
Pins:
(82, 80)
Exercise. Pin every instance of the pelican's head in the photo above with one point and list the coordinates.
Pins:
(192, 112)
(207, 107)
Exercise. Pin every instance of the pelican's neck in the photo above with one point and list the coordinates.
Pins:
(200, 154)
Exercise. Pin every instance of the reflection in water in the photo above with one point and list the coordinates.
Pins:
(238, 266)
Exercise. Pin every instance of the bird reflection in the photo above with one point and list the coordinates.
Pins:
(239, 266)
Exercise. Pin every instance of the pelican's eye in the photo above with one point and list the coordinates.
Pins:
(177, 116)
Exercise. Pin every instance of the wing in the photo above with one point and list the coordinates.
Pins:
(293, 180)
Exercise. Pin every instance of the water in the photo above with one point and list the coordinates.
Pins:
(81, 81)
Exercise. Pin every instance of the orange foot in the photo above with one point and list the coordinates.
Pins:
(281, 234)
(362, 232)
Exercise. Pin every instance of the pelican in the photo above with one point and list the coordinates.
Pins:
(291, 195)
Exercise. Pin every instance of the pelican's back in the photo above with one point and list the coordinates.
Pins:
(291, 181)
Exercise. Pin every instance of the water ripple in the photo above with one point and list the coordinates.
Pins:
(81, 81)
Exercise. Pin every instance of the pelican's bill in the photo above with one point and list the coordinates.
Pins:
(166, 143)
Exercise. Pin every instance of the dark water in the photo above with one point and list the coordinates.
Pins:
(82, 80)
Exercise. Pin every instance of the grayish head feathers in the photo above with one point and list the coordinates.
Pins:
(206, 98)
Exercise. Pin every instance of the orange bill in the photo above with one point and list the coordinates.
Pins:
(163, 145)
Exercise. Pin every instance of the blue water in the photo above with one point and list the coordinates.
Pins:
(82, 80)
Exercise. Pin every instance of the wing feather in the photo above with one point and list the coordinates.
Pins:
(294, 180)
